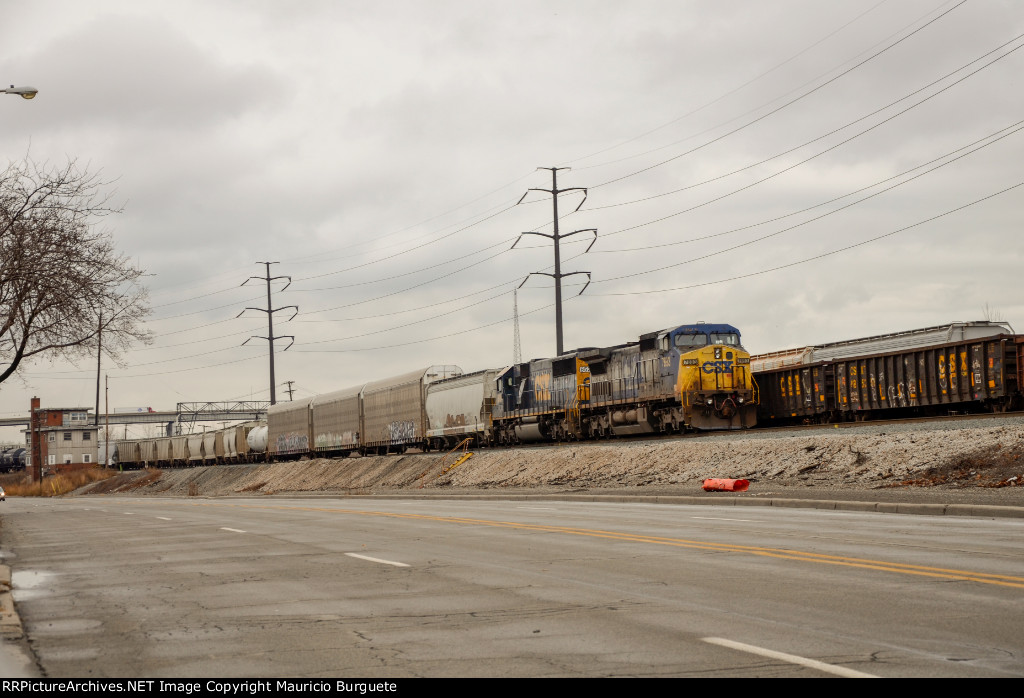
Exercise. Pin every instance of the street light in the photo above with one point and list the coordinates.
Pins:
(25, 92)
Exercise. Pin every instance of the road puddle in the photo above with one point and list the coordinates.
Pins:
(31, 584)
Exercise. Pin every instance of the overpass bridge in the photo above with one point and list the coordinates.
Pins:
(182, 419)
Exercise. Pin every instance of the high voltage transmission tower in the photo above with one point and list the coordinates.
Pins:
(270, 310)
(555, 238)
(517, 350)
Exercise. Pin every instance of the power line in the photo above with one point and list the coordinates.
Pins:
(803, 223)
(843, 127)
(731, 92)
(991, 138)
(818, 256)
(818, 154)
(784, 105)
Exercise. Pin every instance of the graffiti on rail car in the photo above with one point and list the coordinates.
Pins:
(400, 432)
(292, 443)
(333, 440)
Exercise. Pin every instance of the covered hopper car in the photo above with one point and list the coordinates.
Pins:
(227, 445)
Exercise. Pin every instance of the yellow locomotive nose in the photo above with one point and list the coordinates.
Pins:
(716, 388)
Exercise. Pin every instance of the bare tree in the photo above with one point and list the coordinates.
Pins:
(990, 314)
(62, 283)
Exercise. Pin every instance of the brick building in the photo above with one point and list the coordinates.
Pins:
(67, 436)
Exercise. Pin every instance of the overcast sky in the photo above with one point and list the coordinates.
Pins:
(788, 167)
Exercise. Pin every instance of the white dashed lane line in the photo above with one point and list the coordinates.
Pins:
(163, 518)
(377, 559)
(718, 518)
(791, 658)
(233, 530)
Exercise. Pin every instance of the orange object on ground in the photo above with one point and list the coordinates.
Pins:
(716, 485)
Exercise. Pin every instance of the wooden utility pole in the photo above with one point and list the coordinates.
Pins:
(99, 355)
(106, 421)
(36, 467)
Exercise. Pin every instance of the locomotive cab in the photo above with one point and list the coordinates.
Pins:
(714, 385)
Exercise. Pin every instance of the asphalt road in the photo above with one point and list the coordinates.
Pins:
(273, 587)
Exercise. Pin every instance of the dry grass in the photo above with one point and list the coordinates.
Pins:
(152, 475)
(56, 485)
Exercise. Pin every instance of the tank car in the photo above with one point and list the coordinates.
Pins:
(12, 459)
(256, 440)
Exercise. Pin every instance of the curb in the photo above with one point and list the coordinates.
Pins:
(16, 658)
(10, 622)
(979, 510)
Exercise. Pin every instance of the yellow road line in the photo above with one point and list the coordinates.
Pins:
(779, 553)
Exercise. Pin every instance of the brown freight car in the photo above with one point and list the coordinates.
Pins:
(834, 383)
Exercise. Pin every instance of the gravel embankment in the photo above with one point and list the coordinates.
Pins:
(967, 460)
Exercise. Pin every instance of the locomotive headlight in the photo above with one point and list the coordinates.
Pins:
(739, 400)
(711, 401)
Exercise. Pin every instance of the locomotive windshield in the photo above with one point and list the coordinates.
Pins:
(694, 340)
(690, 341)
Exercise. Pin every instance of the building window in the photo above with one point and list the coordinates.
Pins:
(87, 458)
(51, 459)
(67, 436)
(51, 437)
(86, 436)
(67, 458)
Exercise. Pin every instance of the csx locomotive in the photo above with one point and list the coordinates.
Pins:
(687, 377)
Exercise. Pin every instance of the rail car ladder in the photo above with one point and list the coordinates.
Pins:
(463, 457)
